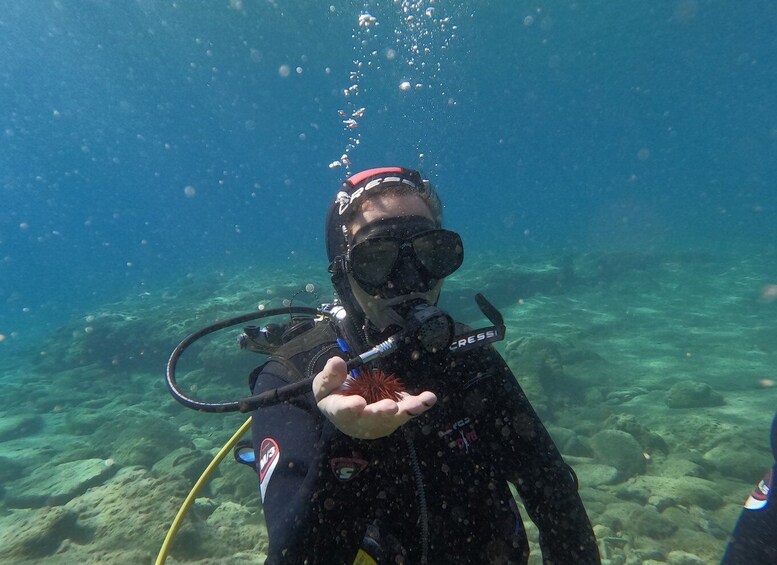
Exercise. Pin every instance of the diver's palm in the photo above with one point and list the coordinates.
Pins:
(353, 416)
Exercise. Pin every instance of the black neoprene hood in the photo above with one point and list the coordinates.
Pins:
(359, 186)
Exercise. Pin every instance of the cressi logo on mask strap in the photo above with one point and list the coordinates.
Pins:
(381, 176)
(345, 200)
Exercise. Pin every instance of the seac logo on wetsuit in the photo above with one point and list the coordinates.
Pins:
(346, 468)
(269, 453)
(461, 434)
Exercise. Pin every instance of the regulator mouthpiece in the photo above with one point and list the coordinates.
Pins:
(430, 327)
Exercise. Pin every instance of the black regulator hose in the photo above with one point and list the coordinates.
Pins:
(278, 395)
(429, 326)
(178, 351)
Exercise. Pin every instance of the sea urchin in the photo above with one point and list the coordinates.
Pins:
(374, 385)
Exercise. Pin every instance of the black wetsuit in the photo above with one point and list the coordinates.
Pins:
(754, 540)
(434, 491)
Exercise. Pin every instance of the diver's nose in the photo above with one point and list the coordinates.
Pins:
(409, 275)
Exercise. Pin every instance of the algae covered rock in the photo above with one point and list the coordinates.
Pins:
(538, 363)
(652, 524)
(691, 394)
(649, 440)
(140, 438)
(595, 474)
(680, 491)
(678, 466)
(739, 460)
(34, 534)
(10, 470)
(185, 462)
(538, 357)
(684, 558)
(53, 486)
(230, 522)
(620, 450)
(568, 442)
(129, 512)
(13, 427)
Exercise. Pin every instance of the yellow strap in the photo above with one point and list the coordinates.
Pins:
(201, 482)
(364, 558)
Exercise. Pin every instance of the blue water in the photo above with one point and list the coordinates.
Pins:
(157, 154)
(547, 125)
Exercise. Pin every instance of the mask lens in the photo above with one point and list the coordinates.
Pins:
(441, 252)
(372, 260)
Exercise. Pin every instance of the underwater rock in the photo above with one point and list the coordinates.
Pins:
(203, 507)
(188, 463)
(14, 427)
(54, 486)
(649, 440)
(652, 524)
(595, 474)
(141, 329)
(683, 558)
(128, 515)
(85, 421)
(633, 492)
(140, 438)
(560, 434)
(621, 396)
(618, 515)
(620, 450)
(575, 446)
(228, 522)
(506, 283)
(653, 562)
(593, 397)
(109, 339)
(664, 492)
(681, 467)
(537, 362)
(10, 470)
(29, 535)
(537, 356)
(739, 460)
(692, 394)
(568, 442)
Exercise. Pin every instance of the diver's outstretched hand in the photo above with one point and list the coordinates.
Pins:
(353, 416)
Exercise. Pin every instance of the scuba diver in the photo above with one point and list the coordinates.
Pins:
(410, 458)
(754, 539)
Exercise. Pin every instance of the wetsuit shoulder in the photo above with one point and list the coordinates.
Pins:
(300, 358)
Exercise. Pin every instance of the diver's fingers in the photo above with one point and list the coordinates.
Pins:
(341, 409)
(331, 377)
(385, 408)
(416, 405)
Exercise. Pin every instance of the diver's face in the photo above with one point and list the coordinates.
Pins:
(374, 218)
(389, 206)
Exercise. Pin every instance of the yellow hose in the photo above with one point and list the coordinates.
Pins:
(212, 466)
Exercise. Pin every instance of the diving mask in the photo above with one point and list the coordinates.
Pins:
(399, 256)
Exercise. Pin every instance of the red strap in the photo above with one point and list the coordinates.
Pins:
(357, 179)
